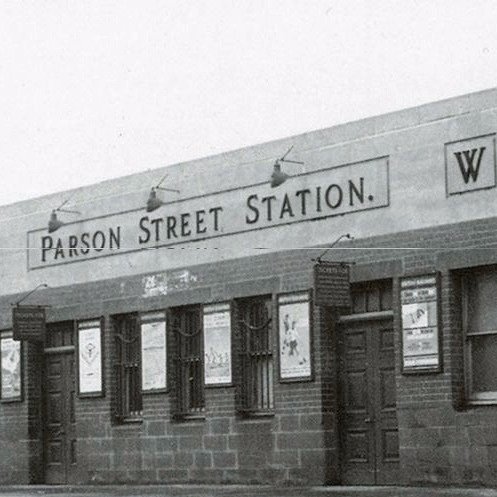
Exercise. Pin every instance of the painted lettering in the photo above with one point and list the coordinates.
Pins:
(185, 221)
(339, 196)
(358, 192)
(46, 245)
(253, 208)
(216, 211)
(85, 241)
(73, 243)
(146, 238)
(466, 159)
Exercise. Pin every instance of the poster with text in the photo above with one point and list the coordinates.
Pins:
(217, 345)
(90, 358)
(294, 337)
(420, 338)
(10, 350)
(153, 356)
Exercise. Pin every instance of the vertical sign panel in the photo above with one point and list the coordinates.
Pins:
(153, 331)
(420, 324)
(217, 344)
(90, 359)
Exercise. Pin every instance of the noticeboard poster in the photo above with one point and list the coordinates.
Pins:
(90, 358)
(217, 345)
(153, 345)
(10, 373)
(294, 337)
(420, 324)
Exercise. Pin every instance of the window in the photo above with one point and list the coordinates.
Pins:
(256, 324)
(480, 328)
(372, 296)
(128, 401)
(190, 400)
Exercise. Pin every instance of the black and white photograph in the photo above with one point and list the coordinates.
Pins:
(248, 248)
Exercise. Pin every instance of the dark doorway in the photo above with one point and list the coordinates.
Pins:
(59, 409)
(368, 416)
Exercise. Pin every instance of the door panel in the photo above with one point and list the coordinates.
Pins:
(59, 414)
(368, 421)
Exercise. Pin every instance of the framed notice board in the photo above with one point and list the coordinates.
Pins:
(420, 303)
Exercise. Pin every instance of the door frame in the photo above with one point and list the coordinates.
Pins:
(64, 349)
(341, 323)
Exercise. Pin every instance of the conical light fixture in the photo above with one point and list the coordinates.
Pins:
(153, 202)
(53, 223)
(278, 177)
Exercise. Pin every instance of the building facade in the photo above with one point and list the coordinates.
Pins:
(189, 337)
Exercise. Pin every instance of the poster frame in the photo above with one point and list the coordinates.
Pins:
(17, 398)
(94, 323)
(438, 368)
(210, 309)
(157, 316)
(301, 297)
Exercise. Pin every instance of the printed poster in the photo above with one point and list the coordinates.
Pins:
(11, 369)
(420, 338)
(153, 355)
(294, 337)
(90, 358)
(217, 345)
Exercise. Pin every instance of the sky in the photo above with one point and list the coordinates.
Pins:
(93, 90)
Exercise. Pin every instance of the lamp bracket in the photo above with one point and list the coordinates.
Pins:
(66, 210)
(348, 236)
(166, 189)
(41, 285)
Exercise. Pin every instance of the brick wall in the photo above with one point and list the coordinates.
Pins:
(442, 440)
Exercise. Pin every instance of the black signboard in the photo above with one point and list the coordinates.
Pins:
(332, 284)
(28, 323)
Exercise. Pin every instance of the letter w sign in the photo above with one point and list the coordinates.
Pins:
(470, 164)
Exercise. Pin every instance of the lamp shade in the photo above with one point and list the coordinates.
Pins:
(278, 177)
(54, 224)
(153, 202)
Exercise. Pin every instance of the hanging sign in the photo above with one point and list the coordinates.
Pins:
(420, 324)
(28, 323)
(332, 284)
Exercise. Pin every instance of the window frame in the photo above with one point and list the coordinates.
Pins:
(472, 397)
(122, 413)
(194, 393)
(247, 406)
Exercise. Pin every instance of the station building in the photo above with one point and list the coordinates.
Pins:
(189, 337)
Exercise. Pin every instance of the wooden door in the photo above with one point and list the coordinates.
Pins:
(368, 416)
(59, 414)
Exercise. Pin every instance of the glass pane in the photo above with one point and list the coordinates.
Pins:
(373, 299)
(482, 311)
(358, 302)
(484, 363)
(386, 297)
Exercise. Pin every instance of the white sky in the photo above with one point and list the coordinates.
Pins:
(91, 90)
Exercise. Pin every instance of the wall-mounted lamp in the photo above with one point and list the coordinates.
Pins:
(54, 224)
(278, 177)
(153, 201)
